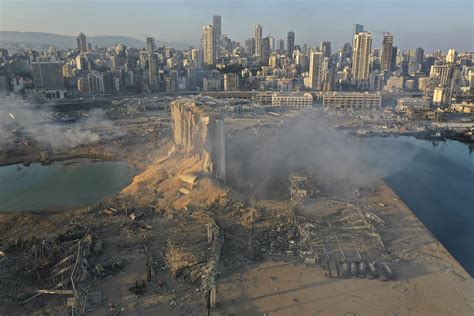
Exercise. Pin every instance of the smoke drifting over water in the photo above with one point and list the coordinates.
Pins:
(307, 144)
(18, 116)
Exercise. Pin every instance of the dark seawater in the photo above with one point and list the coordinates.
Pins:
(61, 185)
(436, 181)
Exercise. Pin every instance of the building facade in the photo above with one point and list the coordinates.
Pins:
(407, 103)
(81, 43)
(48, 75)
(325, 48)
(361, 56)
(290, 43)
(208, 45)
(315, 64)
(296, 99)
(441, 97)
(231, 82)
(217, 27)
(266, 50)
(386, 55)
(352, 100)
(258, 40)
(150, 44)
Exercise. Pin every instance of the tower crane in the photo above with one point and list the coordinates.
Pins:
(385, 33)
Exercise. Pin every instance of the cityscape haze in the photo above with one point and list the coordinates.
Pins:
(428, 23)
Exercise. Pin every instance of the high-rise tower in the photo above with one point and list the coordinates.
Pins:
(451, 56)
(361, 56)
(208, 45)
(325, 47)
(315, 63)
(153, 72)
(150, 44)
(82, 43)
(281, 46)
(266, 50)
(290, 42)
(419, 58)
(358, 28)
(386, 55)
(258, 40)
(250, 47)
(217, 26)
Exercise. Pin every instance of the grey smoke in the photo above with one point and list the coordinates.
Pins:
(308, 144)
(17, 115)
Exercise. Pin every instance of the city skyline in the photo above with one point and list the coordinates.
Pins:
(309, 20)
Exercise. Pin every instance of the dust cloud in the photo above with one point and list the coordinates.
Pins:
(262, 160)
(20, 117)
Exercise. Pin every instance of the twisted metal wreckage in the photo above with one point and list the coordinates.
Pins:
(346, 241)
(55, 266)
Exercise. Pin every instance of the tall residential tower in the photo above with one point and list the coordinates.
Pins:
(315, 62)
(361, 56)
(208, 45)
(258, 40)
(325, 47)
(82, 43)
(217, 26)
(386, 55)
(290, 43)
(150, 44)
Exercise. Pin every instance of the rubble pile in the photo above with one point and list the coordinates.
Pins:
(345, 242)
(349, 233)
(59, 265)
(166, 240)
(301, 187)
(359, 269)
(178, 258)
(279, 239)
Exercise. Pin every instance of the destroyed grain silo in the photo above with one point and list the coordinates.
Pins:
(199, 130)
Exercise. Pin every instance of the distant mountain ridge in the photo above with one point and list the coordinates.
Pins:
(13, 39)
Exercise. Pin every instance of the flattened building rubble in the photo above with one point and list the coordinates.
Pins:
(170, 242)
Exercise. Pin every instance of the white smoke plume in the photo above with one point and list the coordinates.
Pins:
(308, 143)
(18, 116)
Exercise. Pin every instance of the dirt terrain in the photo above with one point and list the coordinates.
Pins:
(428, 282)
(178, 241)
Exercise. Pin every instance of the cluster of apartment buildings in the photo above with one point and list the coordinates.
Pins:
(350, 77)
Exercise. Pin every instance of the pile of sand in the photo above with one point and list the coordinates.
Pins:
(160, 184)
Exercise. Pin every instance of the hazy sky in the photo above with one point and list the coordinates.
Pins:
(430, 24)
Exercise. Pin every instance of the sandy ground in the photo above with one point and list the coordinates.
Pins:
(282, 288)
(429, 282)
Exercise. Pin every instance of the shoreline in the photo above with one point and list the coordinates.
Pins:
(108, 157)
(416, 136)
(428, 279)
(70, 161)
(411, 216)
(30, 160)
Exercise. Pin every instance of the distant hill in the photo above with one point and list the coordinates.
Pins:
(14, 40)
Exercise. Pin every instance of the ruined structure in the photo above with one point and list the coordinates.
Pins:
(198, 130)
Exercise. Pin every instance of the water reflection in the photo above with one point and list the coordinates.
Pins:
(61, 185)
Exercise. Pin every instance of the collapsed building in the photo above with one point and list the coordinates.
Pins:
(166, 244)
(199, 130)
